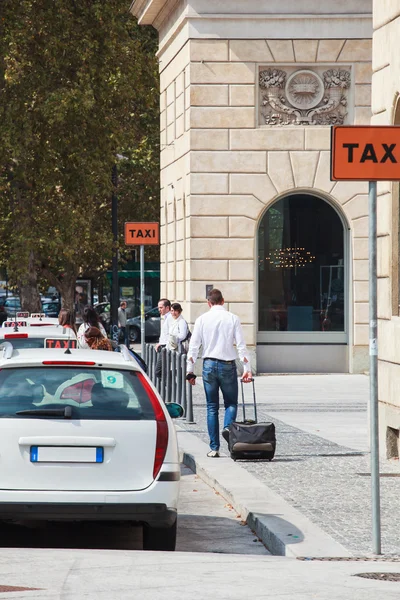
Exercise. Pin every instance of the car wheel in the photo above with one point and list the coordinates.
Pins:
(159, 538)
(134, 334)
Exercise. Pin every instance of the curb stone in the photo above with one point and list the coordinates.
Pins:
(282, 529)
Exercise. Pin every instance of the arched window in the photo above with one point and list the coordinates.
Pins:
(302, 274)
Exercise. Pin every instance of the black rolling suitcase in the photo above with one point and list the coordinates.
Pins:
(249, 439)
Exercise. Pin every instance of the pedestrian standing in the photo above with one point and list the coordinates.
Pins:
(123, 332)
(90, 319)
(164, 308)
(216, 332)
(66, 319)
(176, 328)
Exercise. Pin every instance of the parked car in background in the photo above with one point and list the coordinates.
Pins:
(152, 326)
(3, 312)
(12, 305)
(51, 308)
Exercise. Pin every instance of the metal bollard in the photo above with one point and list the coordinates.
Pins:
(178, 379)
(150, 365)
(167, 397)
(153, 370)
(163, 373)
(189, 410)
(183, 383)
(173, 376)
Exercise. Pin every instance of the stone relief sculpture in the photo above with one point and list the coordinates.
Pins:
(304, 97)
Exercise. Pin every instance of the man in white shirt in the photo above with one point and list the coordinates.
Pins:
(164, 308)
(217, 332)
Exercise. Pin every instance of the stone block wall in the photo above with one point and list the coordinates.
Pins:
(386, 111)
(238, 166)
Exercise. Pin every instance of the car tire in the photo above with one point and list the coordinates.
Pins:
(159, 538)
(134, 335)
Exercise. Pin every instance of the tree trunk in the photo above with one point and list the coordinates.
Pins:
(29, 293)
(65, 286)
(67, 291)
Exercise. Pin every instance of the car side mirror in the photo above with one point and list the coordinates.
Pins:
(175, 410)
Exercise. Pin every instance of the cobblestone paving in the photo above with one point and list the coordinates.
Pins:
(328, 483)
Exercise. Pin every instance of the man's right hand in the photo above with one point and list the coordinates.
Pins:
(191, 378)
(157, 347)
(247, 377)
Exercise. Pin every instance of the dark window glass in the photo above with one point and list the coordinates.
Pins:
(301, 266)
(104, 394)
(25, 342)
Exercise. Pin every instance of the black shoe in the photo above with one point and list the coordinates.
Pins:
(225, 434)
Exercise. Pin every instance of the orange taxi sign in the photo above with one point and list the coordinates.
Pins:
(365, 153)
(137, 234)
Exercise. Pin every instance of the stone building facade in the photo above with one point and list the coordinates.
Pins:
(386, 111)
(249, 90)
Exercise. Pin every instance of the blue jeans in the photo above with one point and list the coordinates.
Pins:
(217, 376)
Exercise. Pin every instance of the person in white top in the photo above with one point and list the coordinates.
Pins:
(90, 319)
(164, 308)
(217, 332)
(176, 328)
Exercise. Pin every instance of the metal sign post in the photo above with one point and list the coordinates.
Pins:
(369, 153)
(373, 372)
(142, 234)
(142, 322)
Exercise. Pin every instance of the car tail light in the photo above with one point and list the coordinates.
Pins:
(68, 362)
(15, 335)
(162, 426)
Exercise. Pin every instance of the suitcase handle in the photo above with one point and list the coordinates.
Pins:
(254, 401)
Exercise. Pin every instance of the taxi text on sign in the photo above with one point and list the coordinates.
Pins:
(138, 234)
(365, 153)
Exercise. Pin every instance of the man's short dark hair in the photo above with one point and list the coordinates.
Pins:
(215, 297)
(166, 302)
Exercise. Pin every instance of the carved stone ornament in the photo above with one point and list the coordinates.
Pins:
(304, 97)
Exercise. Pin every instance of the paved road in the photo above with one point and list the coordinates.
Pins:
(206, 524)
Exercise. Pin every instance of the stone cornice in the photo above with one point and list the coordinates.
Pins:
(146, 11)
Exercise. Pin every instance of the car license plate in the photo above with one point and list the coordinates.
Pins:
(67, 454)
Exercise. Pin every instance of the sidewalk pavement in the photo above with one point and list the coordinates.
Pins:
(314, 498)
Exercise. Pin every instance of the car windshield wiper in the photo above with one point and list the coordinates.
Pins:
(65, 412)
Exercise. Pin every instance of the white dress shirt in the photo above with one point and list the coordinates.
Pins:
(175, 332)
(163, 336)
(217, 331)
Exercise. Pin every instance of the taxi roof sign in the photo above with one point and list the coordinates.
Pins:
(365, 153)
(138, 234)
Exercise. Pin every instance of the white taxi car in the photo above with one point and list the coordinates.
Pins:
(84, 435)
(52, 336)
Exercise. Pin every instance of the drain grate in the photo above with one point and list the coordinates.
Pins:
(380, 576)
(351, 558)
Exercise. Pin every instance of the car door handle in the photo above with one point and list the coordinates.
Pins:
(66, 440)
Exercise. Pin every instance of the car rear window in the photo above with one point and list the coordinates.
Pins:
(93, 394)
(25, 342)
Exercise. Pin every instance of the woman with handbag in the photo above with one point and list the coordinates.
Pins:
(90, 319)
(176, 328)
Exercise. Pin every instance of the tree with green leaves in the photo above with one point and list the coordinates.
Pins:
(78, 86)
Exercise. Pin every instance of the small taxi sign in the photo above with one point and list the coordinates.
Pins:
(37, 315)
(14, 323)
(60, 343)
(365, 153)
(22, 315)
(137, 234)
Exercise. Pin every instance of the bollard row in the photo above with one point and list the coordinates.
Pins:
(170, 377)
